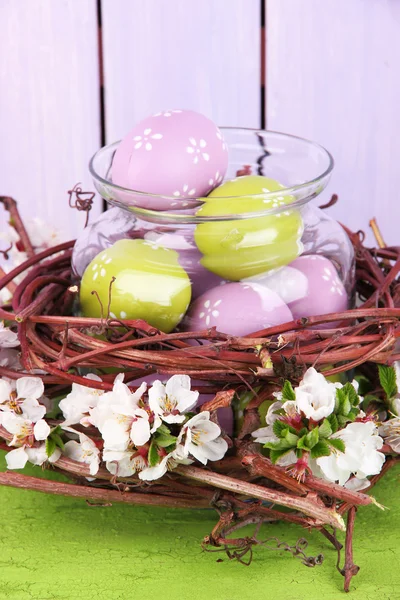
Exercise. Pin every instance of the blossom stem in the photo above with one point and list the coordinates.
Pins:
(97, 494)
(319, 512)
(349, 569)
(11, 206)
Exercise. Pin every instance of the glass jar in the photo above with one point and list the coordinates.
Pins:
(252, 254)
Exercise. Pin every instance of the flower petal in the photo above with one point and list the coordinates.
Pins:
(5, 391)
(32, 410)
(16, 459)
(41, 430)
(30, 387)
(156, 472)
(140, 431)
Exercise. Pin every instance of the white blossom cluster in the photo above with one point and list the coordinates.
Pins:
(315, 401)
(146, 432)
(41, 235)
(150, 431)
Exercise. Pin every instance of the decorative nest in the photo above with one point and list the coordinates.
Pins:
(245, 487)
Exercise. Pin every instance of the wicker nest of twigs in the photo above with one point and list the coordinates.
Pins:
(245, 487)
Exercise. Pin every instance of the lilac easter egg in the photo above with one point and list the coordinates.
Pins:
(237, 309)
(177, 153)
(310, 286)
(189, 258)
(225, 415)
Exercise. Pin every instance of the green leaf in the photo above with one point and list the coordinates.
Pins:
(163, 429)
(320, 449)
(58, 440)
(263, 409)
(279, 428)
(275, 455)
(307, 442)
(337, 443)
(343, 402)
(152, 456)
(351, 394)
(312, 437)
(288, 391)
(50, 446)
(325, 430)
(290, 438)
(281, 445)
(387, 378)
(333, 422)
(165, 440)
(342, 420)
(353, 414)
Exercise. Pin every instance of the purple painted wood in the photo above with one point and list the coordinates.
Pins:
(49, 105)
(333, 76)
(181, 54)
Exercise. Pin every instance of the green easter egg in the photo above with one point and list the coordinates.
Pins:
(239, 248)
(149, 284)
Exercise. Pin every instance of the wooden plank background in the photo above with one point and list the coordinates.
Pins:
(332, 75)
(49, 105)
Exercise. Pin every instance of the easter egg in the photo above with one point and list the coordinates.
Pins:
(189, 258)
(149, 284)
(237, 309)
(177, 153)
(310, 286)
(243, 247)
(225, 415)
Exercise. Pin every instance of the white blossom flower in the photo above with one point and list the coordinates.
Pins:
(8, 338)
(170, 402)
(315, 396)
(77, 404)
(390, 431)
(119, 418)
(26, 434)
(266, 434)
(22, 398)
(357, 485)
(169, 462)
(123, 463)
(203, 438)
(126, 426)
(37, 455)
(361, 457)
(396, 400)
(84, 451)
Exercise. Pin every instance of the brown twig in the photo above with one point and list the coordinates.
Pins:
(15, 220)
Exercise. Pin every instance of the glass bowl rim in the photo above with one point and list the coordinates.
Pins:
(193, 218)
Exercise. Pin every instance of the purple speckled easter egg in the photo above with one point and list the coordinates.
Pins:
(237, 309)
(310, 286)
(225, 415)
(177, 153)
(189, 258)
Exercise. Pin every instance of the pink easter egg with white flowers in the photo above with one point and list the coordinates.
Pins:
(176, 153)
(310, 286)
(237, 309)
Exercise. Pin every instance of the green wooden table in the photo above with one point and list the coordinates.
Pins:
(56, 548)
